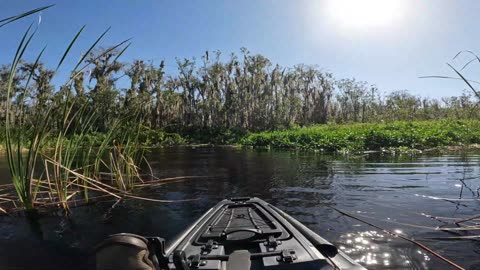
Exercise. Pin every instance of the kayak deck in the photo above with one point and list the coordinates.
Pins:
(242, 222)
(248, 233)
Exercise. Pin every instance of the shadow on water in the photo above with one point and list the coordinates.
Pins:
(33, 219)
(394, 191)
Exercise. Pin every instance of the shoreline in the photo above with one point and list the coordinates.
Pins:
(411, 137)
(400, 136)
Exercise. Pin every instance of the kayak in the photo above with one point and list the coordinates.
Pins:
(249, 233)
(243, 234)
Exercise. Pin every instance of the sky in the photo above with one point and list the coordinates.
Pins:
(389, 43)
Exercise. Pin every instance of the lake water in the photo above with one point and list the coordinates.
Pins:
(396, 193)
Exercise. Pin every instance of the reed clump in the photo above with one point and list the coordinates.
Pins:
(53, 159)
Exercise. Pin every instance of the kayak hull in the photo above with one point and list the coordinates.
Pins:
(249, 233)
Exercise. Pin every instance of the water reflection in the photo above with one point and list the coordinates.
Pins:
(392, 191)
(380, 250)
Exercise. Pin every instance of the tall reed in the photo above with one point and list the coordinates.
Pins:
(22, 167)
(24, 140)
(125, 156)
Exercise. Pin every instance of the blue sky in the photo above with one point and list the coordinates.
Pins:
(420, 42)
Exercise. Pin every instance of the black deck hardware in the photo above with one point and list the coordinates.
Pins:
(180, 260)
(209, 246)
(156, 246)
(253, 256)
(196, 261)
(287, 256)
(272, 242)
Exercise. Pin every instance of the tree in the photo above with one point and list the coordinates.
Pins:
(104, 95)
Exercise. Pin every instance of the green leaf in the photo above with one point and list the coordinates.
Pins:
(8, 20)
(69, 47)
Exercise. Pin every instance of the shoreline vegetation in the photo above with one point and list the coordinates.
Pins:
(83, 140)
(397, 136)
(353, 138)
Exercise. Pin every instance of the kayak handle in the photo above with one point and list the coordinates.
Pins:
(256, 232)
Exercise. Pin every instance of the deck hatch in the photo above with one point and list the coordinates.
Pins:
(242, 221)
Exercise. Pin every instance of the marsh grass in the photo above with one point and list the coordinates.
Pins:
(77, 170)
(125, 156)
(22, 167)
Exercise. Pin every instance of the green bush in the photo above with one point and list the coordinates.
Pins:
(153, 137)
(371, 136)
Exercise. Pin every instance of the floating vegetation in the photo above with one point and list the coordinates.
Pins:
(384, 137)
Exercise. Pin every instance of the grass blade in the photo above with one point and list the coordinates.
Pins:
(77, 72)
(14, 157)
(37, 61)
(10, 155)
(465, 80)
(8, 20)
(91, 48)
(446, 77)
(69, 47)
(121, 52)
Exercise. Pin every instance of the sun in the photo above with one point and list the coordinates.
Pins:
(365, 14)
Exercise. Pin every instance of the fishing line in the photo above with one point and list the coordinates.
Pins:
(402, 237)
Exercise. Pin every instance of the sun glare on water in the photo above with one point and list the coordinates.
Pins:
(364, 15)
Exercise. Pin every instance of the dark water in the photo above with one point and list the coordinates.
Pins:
(394, 192)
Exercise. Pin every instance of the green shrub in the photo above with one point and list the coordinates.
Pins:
(371, 136)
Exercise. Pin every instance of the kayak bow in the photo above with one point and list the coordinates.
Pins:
(249, 233)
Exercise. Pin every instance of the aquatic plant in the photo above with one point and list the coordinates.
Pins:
(22, 168)
(370, 136)
(24, 139)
